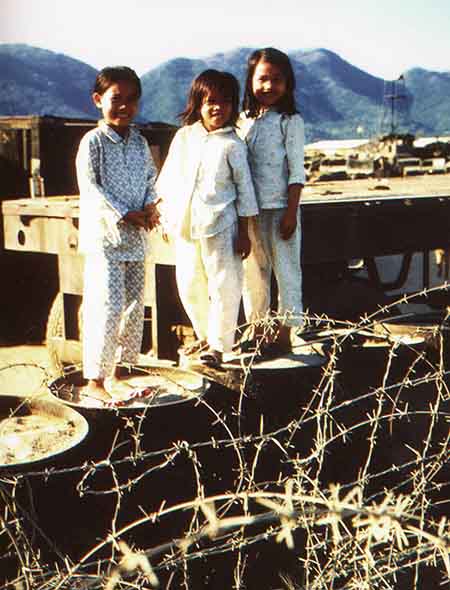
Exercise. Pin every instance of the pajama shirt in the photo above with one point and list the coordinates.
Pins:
(115, 175)
(205, 185)
(276, 153)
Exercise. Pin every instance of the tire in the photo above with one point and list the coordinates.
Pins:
(55, 328)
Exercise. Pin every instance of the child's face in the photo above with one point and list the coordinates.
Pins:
(119, 104)
(268, 84)
(215, 111)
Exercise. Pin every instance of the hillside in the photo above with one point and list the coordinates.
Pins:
(430, 106)
(41, 82)
(336, 99)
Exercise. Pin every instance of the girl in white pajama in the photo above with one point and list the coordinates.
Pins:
(207, 196)
(274, 133)
(209, 279)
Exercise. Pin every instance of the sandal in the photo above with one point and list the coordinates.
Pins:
(193, 348)
(211, 358)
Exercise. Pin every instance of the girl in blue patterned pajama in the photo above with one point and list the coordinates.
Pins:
(115, 175)
(208, 195)
(274, 133)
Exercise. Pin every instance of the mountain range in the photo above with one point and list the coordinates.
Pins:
(336, 99)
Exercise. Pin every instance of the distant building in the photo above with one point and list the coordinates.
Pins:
(422, 142)
(330, 147)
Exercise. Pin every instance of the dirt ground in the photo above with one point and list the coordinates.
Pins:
(24, 370)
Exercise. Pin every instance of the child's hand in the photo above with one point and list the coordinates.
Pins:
(136, 218)
(288, 224)
(152, 215)
(242, 245)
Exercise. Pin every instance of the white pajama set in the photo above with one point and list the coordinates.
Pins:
(276, 155)
(115, 175)
(206, 185)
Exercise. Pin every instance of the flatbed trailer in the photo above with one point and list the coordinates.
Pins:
(341, 220)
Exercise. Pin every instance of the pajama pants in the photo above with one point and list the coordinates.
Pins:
(270, 252)
(209, 280)
(113, 314)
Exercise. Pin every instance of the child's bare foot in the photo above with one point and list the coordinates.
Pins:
(96, 389)
(116, 379)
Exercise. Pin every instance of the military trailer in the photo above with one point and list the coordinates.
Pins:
(37, 161)
(342, 221)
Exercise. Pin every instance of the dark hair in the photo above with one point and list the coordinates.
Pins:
(203, 85)
(110, 75)
(286, 104)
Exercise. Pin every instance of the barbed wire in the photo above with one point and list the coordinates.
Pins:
(346, 469)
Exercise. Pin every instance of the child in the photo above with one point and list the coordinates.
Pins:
(207, 195)
(115, 175)
(274, 133)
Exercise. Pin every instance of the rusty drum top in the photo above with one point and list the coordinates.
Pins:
(140, 388)
(35, 430)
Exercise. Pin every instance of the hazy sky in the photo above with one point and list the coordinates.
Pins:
(383, 37)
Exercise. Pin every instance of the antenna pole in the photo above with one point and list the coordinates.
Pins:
(392, 94)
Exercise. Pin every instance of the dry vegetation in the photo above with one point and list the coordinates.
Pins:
(337, 479)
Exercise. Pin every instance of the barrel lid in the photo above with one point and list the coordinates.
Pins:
(141, 388)
(37, 429)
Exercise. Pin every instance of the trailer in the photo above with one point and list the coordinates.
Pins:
(363, 219)
(340, 221)
(37, 160)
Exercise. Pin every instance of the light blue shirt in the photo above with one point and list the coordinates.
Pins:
(276, 155)
(205, 182)
(115, 175)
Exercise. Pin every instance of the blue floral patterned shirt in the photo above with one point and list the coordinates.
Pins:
(115, 175)
(276, 155)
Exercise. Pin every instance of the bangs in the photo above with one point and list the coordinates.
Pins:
(219, 87)
(207, 83)
(279, 59)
